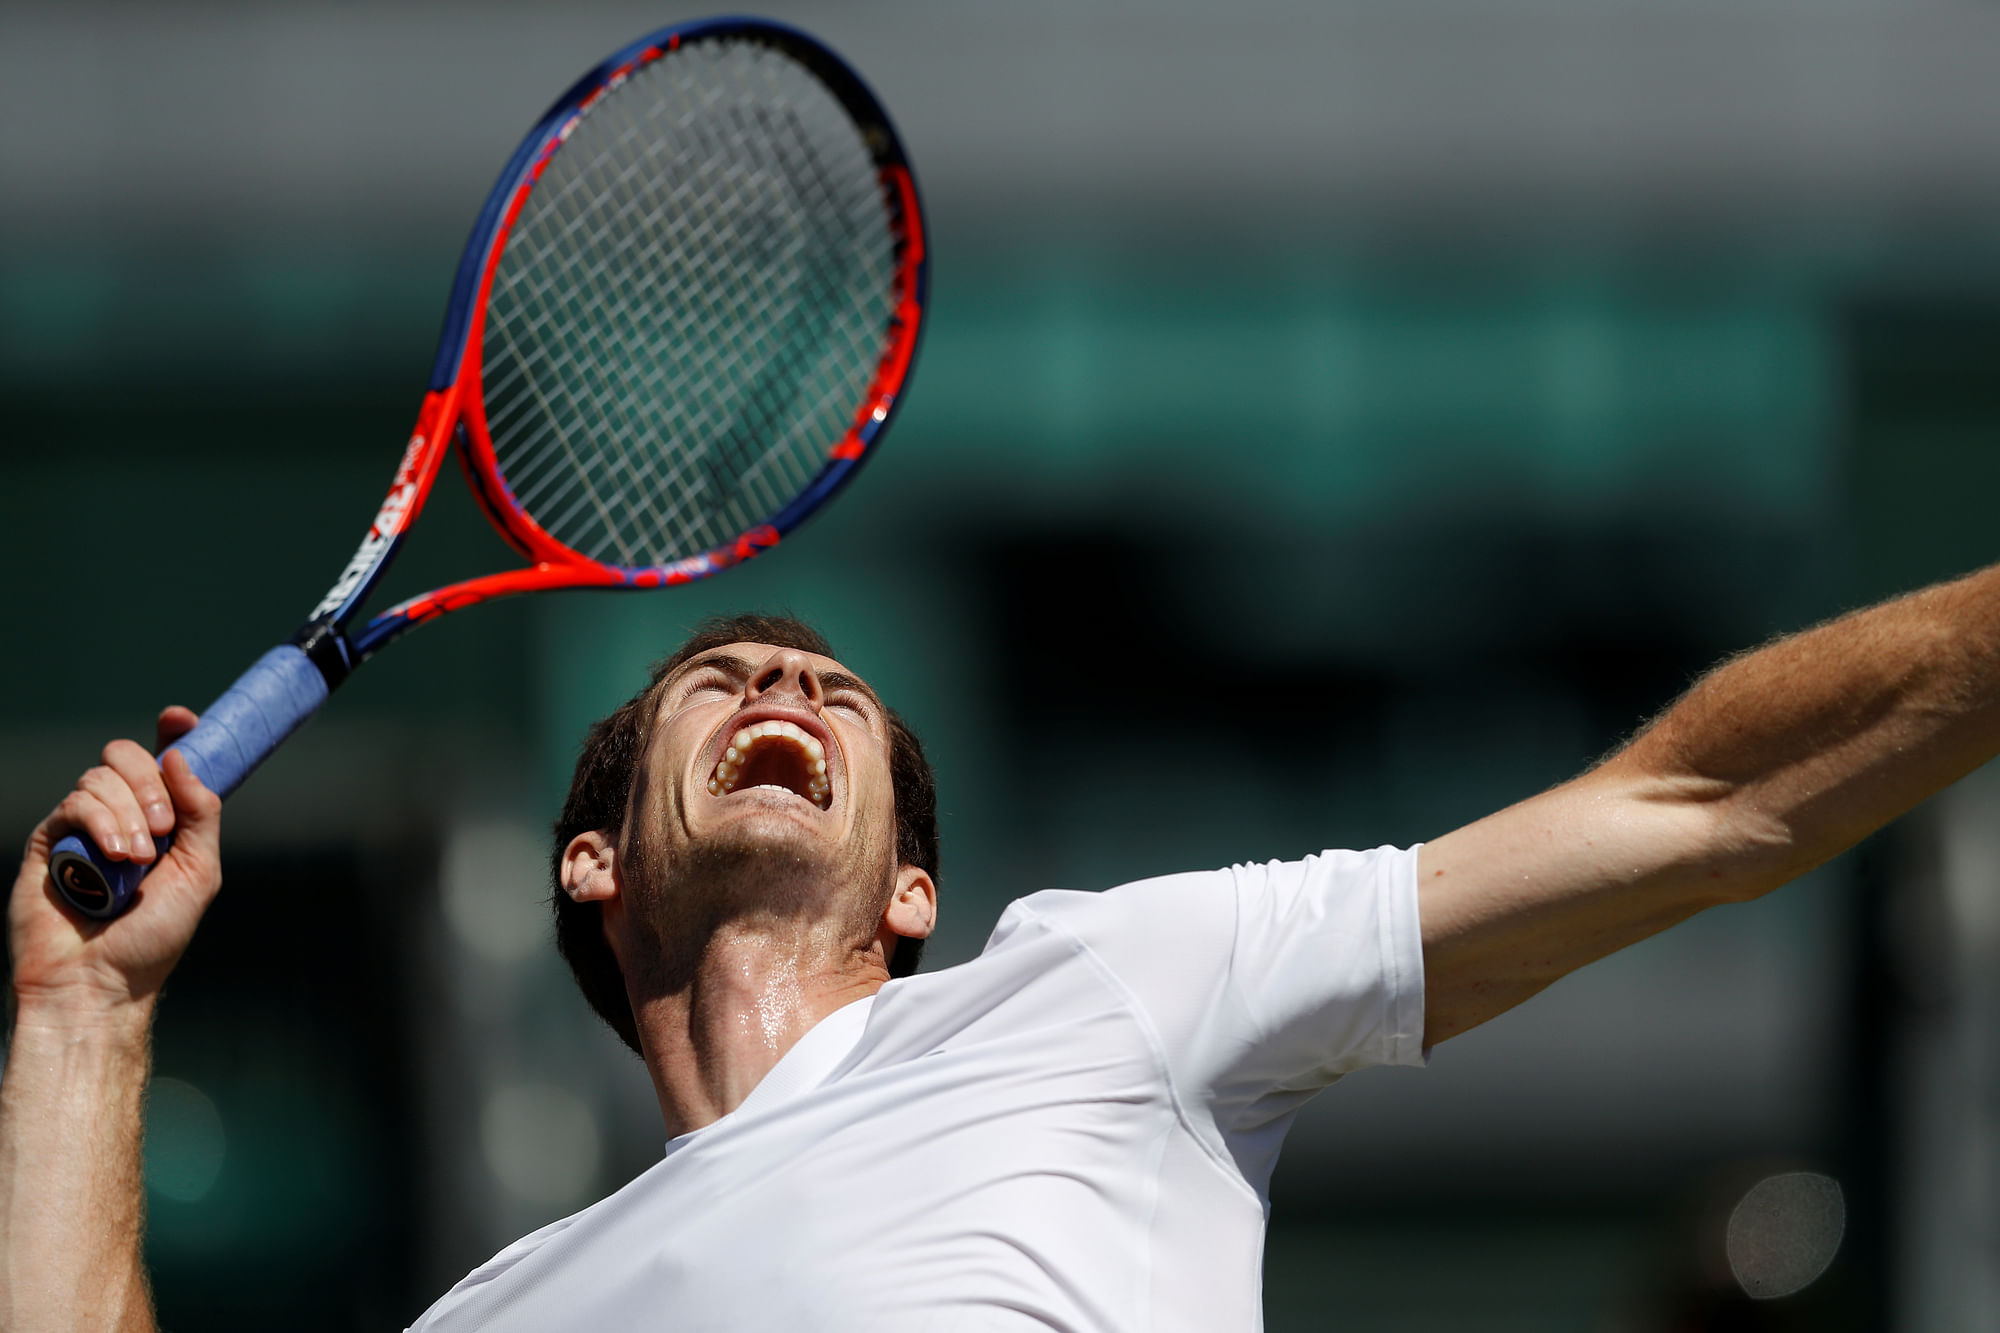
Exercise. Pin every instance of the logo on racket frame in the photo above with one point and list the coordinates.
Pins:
(390, 520)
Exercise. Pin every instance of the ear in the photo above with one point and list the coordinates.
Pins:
(590, 868)
(912, 910)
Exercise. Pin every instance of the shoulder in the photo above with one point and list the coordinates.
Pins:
(1252, 950)
(1084, 914)
(1208, 907)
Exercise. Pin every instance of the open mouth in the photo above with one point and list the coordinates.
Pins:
(773, 754)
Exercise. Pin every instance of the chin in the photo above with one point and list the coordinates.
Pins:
(760, 858)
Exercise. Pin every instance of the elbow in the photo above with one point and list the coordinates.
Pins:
(1720, 840)
(1754, 850)
(1743, 844)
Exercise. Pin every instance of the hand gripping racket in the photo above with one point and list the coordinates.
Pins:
(684, 315)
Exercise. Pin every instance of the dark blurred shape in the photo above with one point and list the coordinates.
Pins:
(1189, 668)
(1920, 426)
(283, 1147)
(1922, 431)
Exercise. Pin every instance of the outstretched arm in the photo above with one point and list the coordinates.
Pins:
(71, 1099)
(1772, 763)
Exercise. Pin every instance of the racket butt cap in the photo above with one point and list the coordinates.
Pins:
(92, 884)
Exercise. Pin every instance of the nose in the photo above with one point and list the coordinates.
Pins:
(785, 672)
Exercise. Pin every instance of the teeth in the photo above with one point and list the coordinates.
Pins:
(730, 767)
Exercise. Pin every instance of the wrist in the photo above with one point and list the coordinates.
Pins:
(82, 1012)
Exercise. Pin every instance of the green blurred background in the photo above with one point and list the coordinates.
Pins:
(1335, 423)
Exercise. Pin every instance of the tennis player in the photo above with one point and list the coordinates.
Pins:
(1074, 1131)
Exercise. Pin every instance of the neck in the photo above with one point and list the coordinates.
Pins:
(750, 994)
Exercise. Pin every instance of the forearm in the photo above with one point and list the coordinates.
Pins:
(1813, 742)
(1772, 763)
(71, 1197)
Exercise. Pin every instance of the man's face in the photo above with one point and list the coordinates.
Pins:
(765, 787)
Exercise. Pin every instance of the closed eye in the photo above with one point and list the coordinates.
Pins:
(718, 671)
(849, 701)
(844, 691)
(707, 680)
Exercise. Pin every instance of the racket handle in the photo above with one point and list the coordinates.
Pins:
(252, 718)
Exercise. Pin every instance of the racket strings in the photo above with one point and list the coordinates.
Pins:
(593, 278)
(698, 331)
(738, 456)
(690, 308)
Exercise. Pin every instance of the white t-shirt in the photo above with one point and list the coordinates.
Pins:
(1073, 1131)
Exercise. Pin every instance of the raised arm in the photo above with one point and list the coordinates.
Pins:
(71, 1200)
(1772, 763)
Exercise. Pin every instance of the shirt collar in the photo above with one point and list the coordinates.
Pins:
(802, 1068)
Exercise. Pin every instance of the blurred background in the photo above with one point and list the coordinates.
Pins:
(1456, 381)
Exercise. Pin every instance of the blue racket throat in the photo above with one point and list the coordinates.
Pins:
(615, 429)
(251, 719)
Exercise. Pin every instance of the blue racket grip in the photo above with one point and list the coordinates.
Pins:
(252, 718)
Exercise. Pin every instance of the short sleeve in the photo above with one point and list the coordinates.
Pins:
(1264, 983)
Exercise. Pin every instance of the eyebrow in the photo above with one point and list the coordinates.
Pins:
(732, 665)
(727, 663)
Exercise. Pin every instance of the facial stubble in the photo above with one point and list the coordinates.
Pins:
(780, 883)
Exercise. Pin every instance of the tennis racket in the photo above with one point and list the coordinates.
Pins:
(685, 315)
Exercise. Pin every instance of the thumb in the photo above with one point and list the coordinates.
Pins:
(174, 722)
(197, 810)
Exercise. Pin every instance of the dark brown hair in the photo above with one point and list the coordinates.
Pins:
(601, 788)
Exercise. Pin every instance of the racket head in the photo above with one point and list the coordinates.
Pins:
(688, 308)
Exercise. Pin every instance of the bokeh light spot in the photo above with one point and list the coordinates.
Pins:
(1784, 1232)
(541, 1143)
(185, 1142)
(494, 897)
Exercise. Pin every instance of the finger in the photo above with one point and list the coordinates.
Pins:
(174, 722)
(83, 811)
(199, 809)
(142, 774)
(115, 795)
